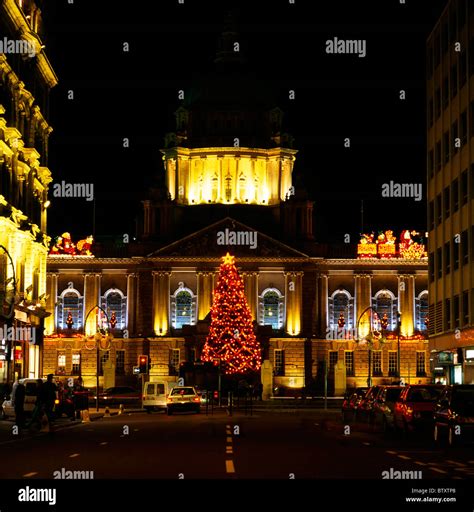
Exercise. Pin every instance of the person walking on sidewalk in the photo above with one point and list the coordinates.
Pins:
(49, 394)
(19, 405)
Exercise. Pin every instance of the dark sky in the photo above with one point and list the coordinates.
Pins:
(134, 95)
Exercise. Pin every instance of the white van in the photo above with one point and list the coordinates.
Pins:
(31, 392)
(155, 394)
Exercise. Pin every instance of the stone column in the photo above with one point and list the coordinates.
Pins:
(204, 292)
(363, 299)
(293, 296)
(131, 303)
(406, 303)
(91, 300)
(161, 302)
(323, 282)
(251, 292)
(52, 293)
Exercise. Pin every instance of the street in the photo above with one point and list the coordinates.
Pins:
(310, 445)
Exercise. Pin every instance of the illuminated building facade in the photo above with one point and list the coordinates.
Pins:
(26, 77)
(450, 179)
(228, 184)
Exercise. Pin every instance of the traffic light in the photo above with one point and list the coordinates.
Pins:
(143, 364)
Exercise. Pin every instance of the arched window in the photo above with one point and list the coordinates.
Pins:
(70, 310)
(114, 302)
(385, 303)
(183, 308)
(422, 311)
(341, 302)
(271, 308)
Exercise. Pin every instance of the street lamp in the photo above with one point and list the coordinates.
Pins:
(370, 338)
(101, 334)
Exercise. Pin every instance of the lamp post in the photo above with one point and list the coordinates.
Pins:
(100, 333)
(370, 340)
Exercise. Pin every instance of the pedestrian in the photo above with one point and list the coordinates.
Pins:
(49, 394)
(260, 391)
(38, 411)
(19, 405)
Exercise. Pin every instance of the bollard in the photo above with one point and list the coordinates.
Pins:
(85, 417)
(45, 427)
(121, 409)
(107, 411)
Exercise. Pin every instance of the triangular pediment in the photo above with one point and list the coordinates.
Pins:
(228, 235)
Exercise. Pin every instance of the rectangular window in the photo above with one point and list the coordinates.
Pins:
(431, 163)
(421, 364)
(447, 203)
(454, 80)
(447, 315)
(455, 137)
(431, 216)
(464, 187)
(392, 363)
(465, 308)
(456, 312)
(439, 210)
(104, 357)
(465, 247)
(174, 360)
(455, 195)
(456, 254)
(376, 363)
(192, 355)
(333, 357)
(464, 127)
(349, 362)
(446, 147)
(447, 257)
(445, 93)
(279, 362)
(120, 362)
(439, 263)
(76, 363)
(437, 102)
(438, 156)
(431, 266)
(61, 360)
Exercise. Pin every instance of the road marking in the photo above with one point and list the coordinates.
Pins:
(439, 470)
(104, 443)
(404, 457)
(229, 466)
(457, 463)
(229, 450)
(420, 463)
(27, 475)
(229, 439)
(366, 444)
(74, 455)
(391, 452)
(136, 429)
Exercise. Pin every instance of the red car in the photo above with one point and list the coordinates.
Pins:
(352, 400)
(415, 407)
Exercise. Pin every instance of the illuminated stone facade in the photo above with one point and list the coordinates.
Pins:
(24, 182)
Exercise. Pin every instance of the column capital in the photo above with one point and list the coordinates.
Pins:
(161, 273)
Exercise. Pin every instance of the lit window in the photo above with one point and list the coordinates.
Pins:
(114, 302)
(183, 307)
(271, 307)
(70, 309)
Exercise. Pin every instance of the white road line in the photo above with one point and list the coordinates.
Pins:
(229, 466)
(228, 426)
(404, 457)
(420, 463)
(136, 429)
(74, 455)
(391, 452)
(229, 439)
(27, 475)
(104, 443)
(439, 471)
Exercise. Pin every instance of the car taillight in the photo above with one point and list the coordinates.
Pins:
(196, 399)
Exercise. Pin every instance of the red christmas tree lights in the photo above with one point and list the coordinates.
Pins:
(231, 338)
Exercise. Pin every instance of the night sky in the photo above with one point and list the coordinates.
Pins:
(134, 95)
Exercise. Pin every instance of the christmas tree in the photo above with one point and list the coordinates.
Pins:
(231, 338)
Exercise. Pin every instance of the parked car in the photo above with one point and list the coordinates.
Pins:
(183, 398)
(155, 395)
(414, 409)
(365, 406)
(383, 406)
(454, 415)
(31, 393)
(119, 395)
(352, 399)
